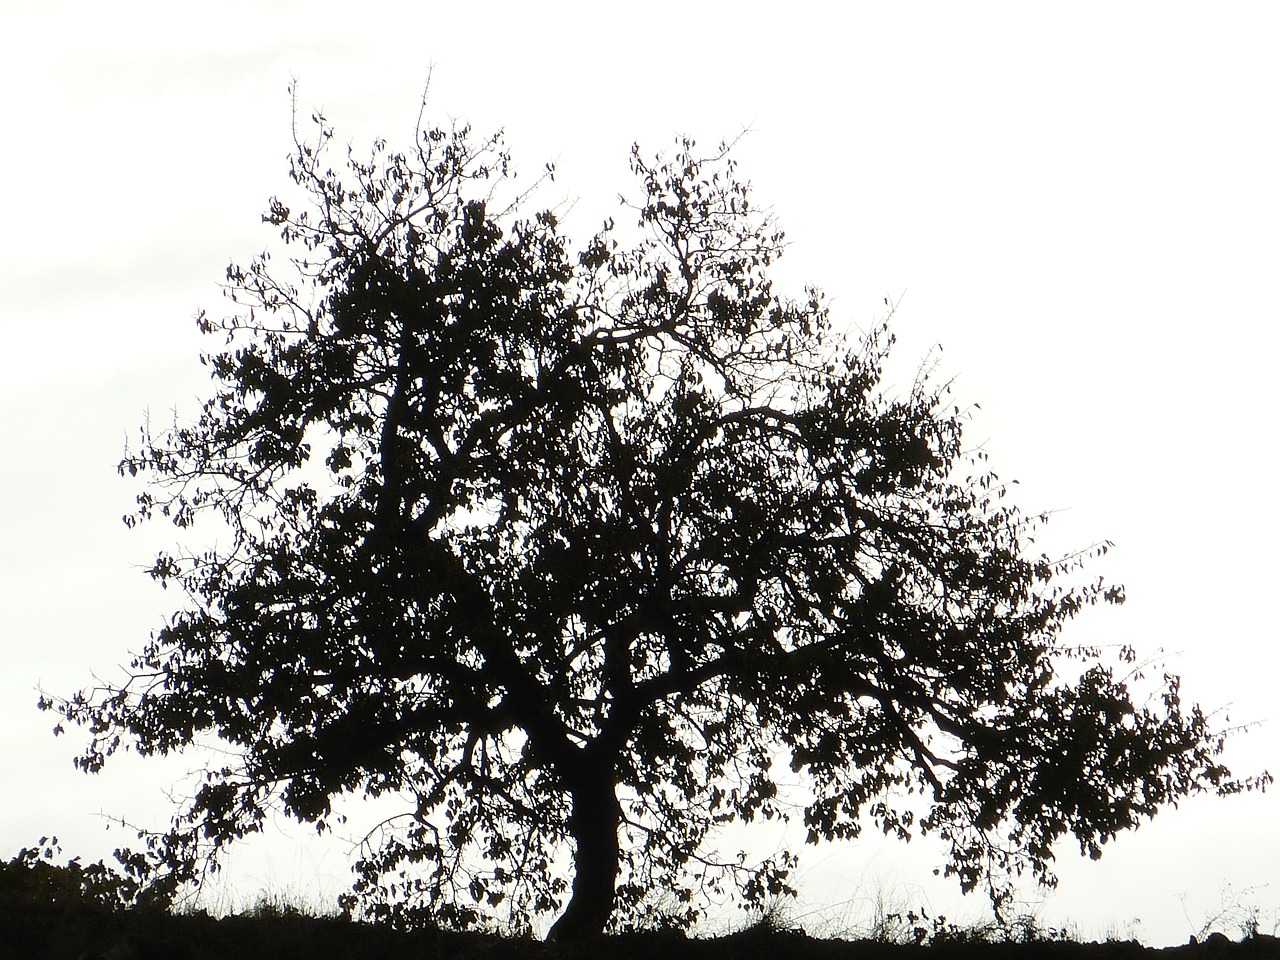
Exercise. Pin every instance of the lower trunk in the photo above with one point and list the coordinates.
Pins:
(594, 820)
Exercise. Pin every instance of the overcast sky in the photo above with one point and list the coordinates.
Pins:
(1079, 202)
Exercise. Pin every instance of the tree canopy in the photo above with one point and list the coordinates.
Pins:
(591, 546)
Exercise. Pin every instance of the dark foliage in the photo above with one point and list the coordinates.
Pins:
(34, 876)
(590, 544)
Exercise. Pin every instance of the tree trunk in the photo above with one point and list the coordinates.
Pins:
(594, 820)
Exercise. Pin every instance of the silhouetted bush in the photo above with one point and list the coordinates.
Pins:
(33, 877)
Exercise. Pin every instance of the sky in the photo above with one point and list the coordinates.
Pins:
(1077, 203)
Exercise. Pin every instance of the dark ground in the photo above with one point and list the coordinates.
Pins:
(30, 931)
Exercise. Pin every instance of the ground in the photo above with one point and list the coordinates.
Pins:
(33, 931)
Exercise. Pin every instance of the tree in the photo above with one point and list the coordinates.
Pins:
(591, 546)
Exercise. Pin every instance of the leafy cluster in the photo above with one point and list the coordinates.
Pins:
(33, 876)
(591, 544)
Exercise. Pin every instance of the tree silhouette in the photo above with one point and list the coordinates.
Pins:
(592, 546)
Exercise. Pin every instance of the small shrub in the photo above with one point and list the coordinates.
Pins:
(33, 876)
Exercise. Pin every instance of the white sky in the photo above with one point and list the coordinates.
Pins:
(1079, 200)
